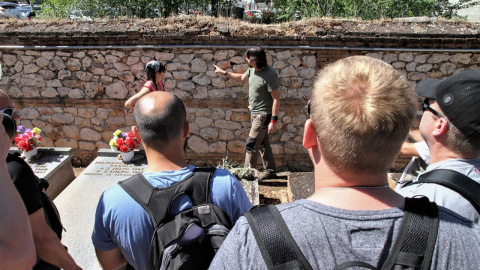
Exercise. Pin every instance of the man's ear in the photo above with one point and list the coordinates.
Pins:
(440, 126)
(186, 129)
(135, 133)
(309, 135)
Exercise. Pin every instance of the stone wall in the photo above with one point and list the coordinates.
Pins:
(76, 97)
(76, 94)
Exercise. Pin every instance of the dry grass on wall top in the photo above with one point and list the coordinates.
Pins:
(206, 25)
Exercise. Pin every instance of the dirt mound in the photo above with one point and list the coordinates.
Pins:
(205, 25)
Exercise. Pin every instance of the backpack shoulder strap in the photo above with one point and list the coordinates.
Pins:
(158, 201)
(416, 239)
(141, 191)
(197, 187)
(458, 182)
(278, 248)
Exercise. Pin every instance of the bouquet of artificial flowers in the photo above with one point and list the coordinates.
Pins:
(124, 142)
(27, 139)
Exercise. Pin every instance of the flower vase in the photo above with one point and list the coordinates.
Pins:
(31, 153)
(127, 157)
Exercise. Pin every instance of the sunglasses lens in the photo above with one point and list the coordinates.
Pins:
(8, 111)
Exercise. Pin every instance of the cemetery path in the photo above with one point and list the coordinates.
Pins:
(77, 171)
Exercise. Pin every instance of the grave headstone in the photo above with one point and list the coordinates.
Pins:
(54, 165)
(77, 203)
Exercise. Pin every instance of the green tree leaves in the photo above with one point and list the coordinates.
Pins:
(369, 9)
(284, 9)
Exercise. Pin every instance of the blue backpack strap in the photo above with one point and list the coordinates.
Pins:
(158, 201)
(416, 239)
(458, 182)
(278, 248)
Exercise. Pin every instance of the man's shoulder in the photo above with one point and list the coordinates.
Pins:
(468, 167)
(223, 177)
(450, 217)
(457, 230)
(223, 173)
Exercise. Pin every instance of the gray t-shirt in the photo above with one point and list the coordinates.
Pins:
(328, 236)
(260, 84)
(444, 196)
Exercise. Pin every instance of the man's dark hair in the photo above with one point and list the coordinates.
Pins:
(257, 55)
(157, 127)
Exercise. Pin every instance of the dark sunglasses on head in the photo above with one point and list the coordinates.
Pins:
(8, 111)
(426, 106)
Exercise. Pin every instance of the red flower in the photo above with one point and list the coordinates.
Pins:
(126, 142)
(119, 141)
(28, 140)
(123, 148)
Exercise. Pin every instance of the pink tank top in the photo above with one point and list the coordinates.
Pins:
(151, 86)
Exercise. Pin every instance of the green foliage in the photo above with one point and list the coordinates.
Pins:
(369, 9)
(238, 171)
(123, 8)
(285, 10)
(56, 8)
(266, 17)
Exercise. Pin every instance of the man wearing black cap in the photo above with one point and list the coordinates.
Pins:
(450, 126)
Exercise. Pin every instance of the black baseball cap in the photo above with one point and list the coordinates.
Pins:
(459, 98)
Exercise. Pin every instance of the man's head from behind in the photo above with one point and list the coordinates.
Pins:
(160, 118)
(458, 100)
(362, 110)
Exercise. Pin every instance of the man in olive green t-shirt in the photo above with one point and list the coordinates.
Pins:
(264, 104)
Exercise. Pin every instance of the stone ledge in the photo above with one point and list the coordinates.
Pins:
(217, 31)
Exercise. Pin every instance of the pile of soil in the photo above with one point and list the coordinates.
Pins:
(206, 25)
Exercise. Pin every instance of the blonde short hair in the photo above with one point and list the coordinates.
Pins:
(362, 110)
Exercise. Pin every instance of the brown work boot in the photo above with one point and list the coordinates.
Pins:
(266, 175)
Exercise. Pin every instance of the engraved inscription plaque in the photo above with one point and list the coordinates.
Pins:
(53, 164)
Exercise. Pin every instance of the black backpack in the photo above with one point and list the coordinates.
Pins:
(190, 239)
(52, 216)
(413, 248)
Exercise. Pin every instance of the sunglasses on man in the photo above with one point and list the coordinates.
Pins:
(8, 111)
(426, 106)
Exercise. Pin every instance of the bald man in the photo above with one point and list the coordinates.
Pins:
(123, 230)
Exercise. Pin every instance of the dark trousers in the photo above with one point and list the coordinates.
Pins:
(257, 142)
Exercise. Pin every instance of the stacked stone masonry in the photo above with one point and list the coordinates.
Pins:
(76, 97)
